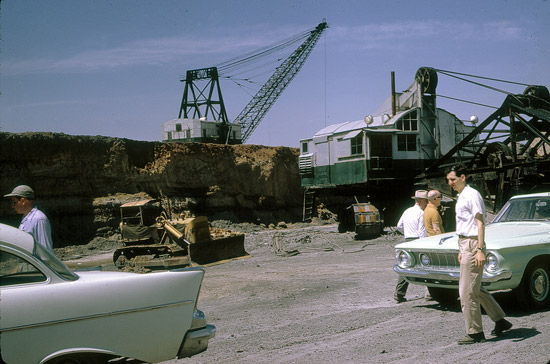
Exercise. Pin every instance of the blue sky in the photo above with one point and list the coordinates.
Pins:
(112, 68)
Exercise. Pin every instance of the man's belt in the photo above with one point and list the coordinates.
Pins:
(467, 237)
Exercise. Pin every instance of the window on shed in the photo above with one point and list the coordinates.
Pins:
(357, 144)
(304, 147)
(380, 145)
(408, 122)
(406, 142)
(380, 151)
(178, 127)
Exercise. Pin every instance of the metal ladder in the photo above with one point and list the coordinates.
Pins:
(309, 202)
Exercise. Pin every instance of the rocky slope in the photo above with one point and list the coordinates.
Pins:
(80, 181)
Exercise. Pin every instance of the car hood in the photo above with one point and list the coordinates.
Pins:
(505, 234)
(497, 236)
(442, 241)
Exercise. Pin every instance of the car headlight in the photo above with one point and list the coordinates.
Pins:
(424, 259)
(491, 263)
(404, 259)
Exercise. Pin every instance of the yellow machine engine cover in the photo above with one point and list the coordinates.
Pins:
(196, 229)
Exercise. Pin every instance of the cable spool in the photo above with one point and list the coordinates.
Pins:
(427, 78)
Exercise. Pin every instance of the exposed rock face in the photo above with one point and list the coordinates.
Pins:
(80, 181)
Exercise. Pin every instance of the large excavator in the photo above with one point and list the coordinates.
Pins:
(410, 142)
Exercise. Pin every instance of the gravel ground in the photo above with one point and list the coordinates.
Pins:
(307, 294)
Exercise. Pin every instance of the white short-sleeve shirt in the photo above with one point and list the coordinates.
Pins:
(411, 223)
(468, 204)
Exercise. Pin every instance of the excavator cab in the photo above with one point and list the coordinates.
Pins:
(138, 221)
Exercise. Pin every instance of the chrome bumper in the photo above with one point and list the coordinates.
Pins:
(196, 341)
(446, 277)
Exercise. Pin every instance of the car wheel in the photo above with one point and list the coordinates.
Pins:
(86, 359)
(444, 295)
(535, 286)
(74, 359)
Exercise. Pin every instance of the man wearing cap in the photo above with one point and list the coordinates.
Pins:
(432, 219)
(34, 221)
(411, 224)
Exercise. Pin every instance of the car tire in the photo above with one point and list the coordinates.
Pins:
(82, 359)
(73, 359)
(534, 289)
(444, 296)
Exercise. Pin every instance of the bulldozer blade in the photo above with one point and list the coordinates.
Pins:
(218, 249)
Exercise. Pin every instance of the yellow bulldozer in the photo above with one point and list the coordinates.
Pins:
(155, 241)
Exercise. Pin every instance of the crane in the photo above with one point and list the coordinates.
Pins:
(201, 101)
(253, 113)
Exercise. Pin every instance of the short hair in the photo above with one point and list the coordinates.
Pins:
(433, 194)
(459, 169)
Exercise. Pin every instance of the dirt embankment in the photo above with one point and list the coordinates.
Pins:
(80, 181)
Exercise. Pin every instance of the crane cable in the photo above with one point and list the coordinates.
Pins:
(466, 101)
(454, 75)
(236, 64)
(260, 53)
(482, 77)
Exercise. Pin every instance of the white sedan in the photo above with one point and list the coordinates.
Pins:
(51, 314)
(518, 255)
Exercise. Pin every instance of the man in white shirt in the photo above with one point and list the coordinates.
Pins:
(411, 224)
(470, 228)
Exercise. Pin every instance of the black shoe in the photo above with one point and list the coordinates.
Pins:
(472, 339)
(399, 299)
(500, 326)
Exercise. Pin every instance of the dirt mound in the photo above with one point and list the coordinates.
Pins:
(80, 181)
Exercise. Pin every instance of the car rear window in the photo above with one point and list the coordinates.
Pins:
(16, 270)
(54, 263)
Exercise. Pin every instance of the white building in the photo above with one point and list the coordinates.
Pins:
(201, 131)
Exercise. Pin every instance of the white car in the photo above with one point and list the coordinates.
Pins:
(517, 253)
(50, 314)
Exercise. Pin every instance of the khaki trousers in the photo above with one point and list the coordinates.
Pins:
(472, 295)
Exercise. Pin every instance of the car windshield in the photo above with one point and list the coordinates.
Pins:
(525, 209)
(53, 262)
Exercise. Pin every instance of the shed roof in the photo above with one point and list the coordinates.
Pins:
(380, 123)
